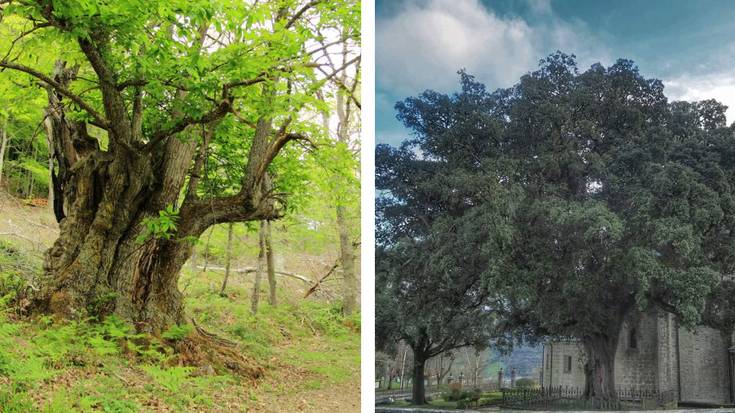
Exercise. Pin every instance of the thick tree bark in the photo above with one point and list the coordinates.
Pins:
(418, 390)
(105, 260)
(600, 369)
(259, 270)
(272, 300)
(228, 257)
(98, 265)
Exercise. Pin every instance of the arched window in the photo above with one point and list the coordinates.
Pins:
(633, 339)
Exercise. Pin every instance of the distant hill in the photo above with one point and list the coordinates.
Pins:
(526, 360)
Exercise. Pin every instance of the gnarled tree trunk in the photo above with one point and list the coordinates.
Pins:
(600, 367)
(105, 260)
(99, 265)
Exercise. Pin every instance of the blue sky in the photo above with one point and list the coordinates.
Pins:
(420, 44)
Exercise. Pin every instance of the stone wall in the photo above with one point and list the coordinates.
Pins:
(704, 366)
(636, 367)
(554, 355)
(663, 355)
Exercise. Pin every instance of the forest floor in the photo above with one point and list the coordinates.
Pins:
(308, 352)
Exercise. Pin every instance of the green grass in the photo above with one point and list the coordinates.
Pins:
(434, 404)
(487, 399)
(337, 363)
(48, 366)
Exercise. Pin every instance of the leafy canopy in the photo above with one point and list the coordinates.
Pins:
(178, 61)
(575, 197)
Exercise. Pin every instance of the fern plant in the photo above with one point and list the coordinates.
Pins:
(12, 401)
(172, 378)
(177, 332)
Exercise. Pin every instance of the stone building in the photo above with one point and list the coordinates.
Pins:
(655, 354)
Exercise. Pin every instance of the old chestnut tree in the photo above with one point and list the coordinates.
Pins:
(146, 101)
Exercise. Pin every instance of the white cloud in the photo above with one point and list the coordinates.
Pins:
(540, 6)
(719, 86)
(426, 42)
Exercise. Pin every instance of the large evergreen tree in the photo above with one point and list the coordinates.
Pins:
(620, 199)
(433, 261)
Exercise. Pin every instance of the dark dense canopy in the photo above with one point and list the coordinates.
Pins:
(575, 199)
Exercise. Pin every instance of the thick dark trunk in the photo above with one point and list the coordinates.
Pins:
(98, 266)
(600, 367)
(418, 391)
(105, 261)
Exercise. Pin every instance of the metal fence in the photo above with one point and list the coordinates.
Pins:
(573, 398)
(432, 391)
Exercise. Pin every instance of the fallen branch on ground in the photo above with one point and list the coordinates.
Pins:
(249, 270)
(318, 283)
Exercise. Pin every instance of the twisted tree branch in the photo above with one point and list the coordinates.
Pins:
(98, 118)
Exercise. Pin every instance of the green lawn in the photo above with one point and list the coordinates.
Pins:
(487, 399)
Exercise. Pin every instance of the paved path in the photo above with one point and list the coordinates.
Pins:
(387, 409)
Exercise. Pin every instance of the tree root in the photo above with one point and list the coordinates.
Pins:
(209, 352)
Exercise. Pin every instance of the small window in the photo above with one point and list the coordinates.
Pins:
(567, 364)
(548, 361)
(633, 339)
